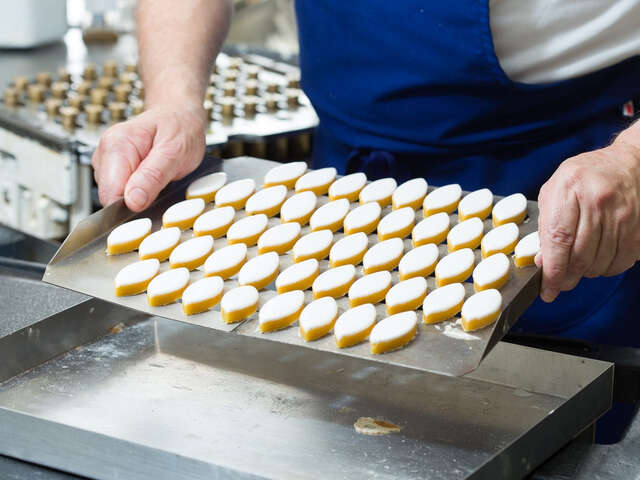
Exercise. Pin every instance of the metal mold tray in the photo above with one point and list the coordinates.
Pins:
(165, 400)
(82, 265)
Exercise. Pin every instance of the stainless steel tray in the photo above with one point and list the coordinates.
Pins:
(165, 400)
(82, 265)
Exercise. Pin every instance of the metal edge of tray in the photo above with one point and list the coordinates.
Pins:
(101, 222)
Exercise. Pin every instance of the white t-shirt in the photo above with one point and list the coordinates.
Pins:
(538, 41)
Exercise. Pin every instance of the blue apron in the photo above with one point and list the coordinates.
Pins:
(414, 89)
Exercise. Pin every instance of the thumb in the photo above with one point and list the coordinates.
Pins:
(151, 176)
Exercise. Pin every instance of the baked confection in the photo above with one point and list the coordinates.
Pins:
(281, 311)
(330, 216)
(159, 244)
(393, 332)
(298, 208)
(317, 318)
(492, 272)
(191, 253)
(348, 187)
(215, 222)
(268, 201)
(260, 271)
(206, 187)
(383, 256)
(135, 277)
(364, 219)
(527, 249)
(406, 295)
(316, 181)
(235, 194)
(313, 245)
(481, 310)
(476, 204)
(379, 191)
(397, 224)
(299, 276)
(510, 209)
(433, 229)
(183, 214)
(279, 239)
(335, 282)
(354, 325)
(455, 267)
(502, 239)
(226, 262)
(466, 234)
(167, 287)
(247, 230)
(444, 199)
(285, 174)
(349, 249)
(239, 303)
(202, 295)
(371, 288)
(418, 262)
(443, 303)
(128, 236)
(410, 194)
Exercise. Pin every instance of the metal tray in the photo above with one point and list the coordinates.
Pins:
(159, 399)
(82, 265)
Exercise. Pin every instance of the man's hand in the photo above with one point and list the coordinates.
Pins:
(589, 220)
(138, 158)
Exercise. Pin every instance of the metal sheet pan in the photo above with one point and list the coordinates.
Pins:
(82, 265)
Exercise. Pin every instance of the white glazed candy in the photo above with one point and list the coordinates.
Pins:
(432, 229)
(207, 186)
(481, 309)
(285, 174)
(135, 277)
(500, 239)
(393, 332)
(371, 288)
(455, 267)
(167, 287)
(316, 181)
(235, 194)
(183, 214)
(281, 311)
(317, 318)
(239, 303)
(298, 276)
(406, 295)
(354, 325)
(298, 208)
(128, 236)
(202, 295)
(215, 222)
(418, 262)
(476, 204)
(443, 303)
(279, 239)
(159, 244)
(410, 194)
(335, 282)
(466, 234)
(267, 201)
(313, 245)
(492, 272)
(443, 199)
(349, 249)
(191, 253)
(248, 229)
(227, 261)
(397, 223)
(526, 249)
(379, 191)
(330, 216)
(348, 186)
(364, 218)
(383, 256)
(510, 209)
(260, 271)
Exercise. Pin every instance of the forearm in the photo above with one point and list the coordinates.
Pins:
(178, 42)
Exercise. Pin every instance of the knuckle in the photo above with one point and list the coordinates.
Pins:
(560, 236)
(154, 175)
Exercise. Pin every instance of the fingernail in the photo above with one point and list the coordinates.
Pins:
(548, 295)
(137, 198)
(538, 259)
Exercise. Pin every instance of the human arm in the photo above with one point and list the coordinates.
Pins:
(178, 43)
